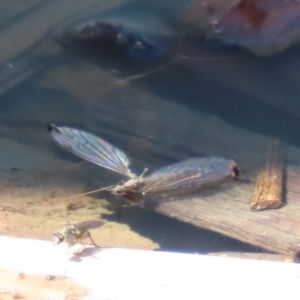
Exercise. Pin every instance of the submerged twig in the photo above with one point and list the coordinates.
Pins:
(268, 188)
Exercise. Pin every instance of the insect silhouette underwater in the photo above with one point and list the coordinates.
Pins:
(185, 174)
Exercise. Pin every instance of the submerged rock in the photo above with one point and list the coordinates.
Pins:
(263, 27)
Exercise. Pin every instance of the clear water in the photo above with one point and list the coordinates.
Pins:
(150, 110)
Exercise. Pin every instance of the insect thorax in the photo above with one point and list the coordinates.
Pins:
(67, 235)
(134, 185)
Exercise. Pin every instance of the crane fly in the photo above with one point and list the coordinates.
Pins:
(185, 174)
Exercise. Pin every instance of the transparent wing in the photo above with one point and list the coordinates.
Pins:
(196, 171)
(90, 224)
(91, 148)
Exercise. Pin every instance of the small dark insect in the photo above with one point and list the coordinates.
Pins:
(185, 174)
(75, 233)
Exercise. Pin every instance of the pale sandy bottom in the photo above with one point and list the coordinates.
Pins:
(33, 200)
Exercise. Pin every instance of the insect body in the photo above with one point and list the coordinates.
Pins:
(75, 233)
(185, 174)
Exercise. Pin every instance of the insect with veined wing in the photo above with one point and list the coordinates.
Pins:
(185, 174)
(75, 233)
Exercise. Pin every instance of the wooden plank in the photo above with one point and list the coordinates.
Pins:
(227, 212)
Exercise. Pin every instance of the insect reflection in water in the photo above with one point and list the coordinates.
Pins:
(189, 173)
(75, 233)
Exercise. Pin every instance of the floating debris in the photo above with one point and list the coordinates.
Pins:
(75, 233)
(50, 277)
(268, 188)
(186, 174)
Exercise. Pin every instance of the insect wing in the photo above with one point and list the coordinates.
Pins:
(90, 224)
(91, 148)
(192, 172)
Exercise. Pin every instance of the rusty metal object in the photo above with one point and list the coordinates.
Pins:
(268, 188)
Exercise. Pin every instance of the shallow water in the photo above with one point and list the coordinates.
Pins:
(153, 118)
